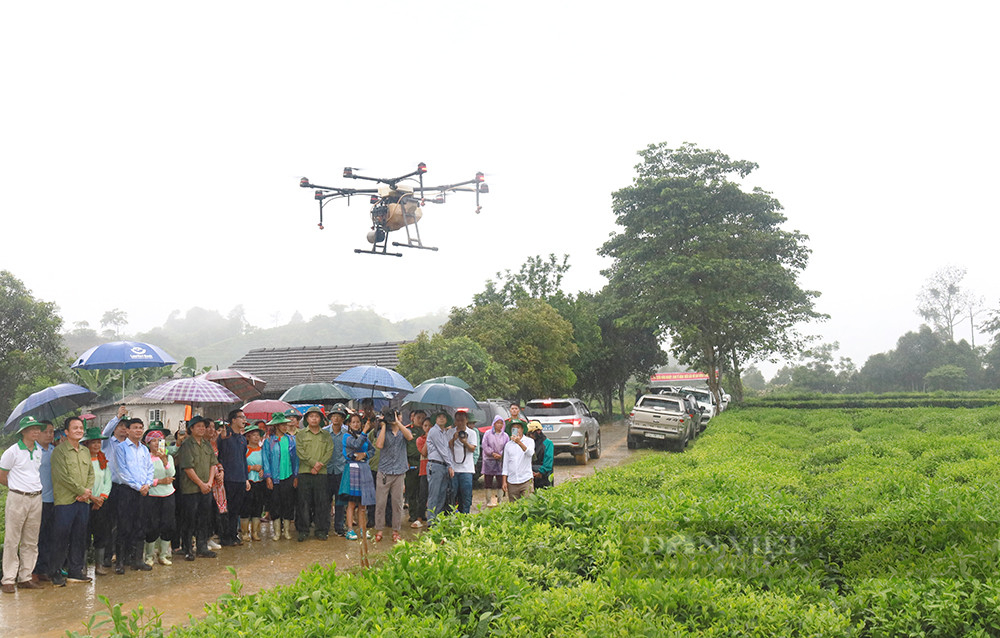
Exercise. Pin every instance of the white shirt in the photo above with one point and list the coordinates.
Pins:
(517, 462)
(466, 465)
(23, 467)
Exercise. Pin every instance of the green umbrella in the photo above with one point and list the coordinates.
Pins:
(314, 393)
(455, 381)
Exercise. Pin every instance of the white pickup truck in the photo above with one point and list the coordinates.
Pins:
(662, 419)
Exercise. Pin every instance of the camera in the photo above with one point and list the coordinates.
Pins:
(388, 415)
(463, 435)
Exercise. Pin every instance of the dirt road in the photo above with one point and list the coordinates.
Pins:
(183, 588)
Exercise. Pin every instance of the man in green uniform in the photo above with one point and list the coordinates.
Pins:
(72, 478)
(196, 463)
(314, 447)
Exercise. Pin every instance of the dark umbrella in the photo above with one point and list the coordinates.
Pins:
(243, 384)
(315, 393)
(123, 355)
(441, 394)
(51, 403)
(450, 380)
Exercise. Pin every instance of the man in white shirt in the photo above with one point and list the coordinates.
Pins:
(19, 471)
(517, 478)
(463, 444)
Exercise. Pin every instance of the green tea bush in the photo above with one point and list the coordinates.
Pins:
(778, 522)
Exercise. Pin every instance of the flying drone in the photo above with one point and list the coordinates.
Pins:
(395, 205)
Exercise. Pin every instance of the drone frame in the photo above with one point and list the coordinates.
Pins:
(379, 235)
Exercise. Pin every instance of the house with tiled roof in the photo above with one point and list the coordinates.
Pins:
(283, 368)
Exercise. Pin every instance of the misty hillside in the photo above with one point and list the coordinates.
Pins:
(217, 340)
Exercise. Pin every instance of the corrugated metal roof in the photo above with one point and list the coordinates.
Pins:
(284, 367)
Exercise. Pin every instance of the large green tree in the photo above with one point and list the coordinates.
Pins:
(531, 340)
(437, 356)
(30, 344)
(708, 262)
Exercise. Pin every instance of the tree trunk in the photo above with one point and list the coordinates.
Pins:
(621, 397)
(737, 387)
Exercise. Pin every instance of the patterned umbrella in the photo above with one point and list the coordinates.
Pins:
(243, 384)
(315, 393)
(375, 378)
(264, 408)
(192, 390)
(51, 403)
(361, 393)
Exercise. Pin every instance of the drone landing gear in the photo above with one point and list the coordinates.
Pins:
(373, 251)
(379, 238)
(420, 246)
(412, 242)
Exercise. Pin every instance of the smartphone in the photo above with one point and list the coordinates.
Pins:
(162, 446)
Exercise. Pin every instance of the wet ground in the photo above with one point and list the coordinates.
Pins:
(183, 589)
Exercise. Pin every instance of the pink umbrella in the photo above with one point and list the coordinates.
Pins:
(264, 408)
(88, 416)
(192, 390)
(243, 384)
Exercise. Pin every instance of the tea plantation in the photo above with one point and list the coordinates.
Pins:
(870, 522)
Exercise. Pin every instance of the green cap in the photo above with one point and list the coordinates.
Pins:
(316, 410)
(93, 434)
(278, 418)
(29, 422)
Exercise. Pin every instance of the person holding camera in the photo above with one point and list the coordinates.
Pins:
(393, 464)
(463, 444)
(517, 478)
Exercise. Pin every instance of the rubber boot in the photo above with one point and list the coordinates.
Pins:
(99, 567)
(288, 530)
(245, 529)
(165, 552)
(255, 527)
(275, 529)
(149, 553)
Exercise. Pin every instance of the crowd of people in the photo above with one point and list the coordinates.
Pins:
(137, 495)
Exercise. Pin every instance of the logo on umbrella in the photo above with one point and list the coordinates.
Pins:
(138, 352)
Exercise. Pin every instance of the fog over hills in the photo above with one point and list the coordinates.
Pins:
(218, 340)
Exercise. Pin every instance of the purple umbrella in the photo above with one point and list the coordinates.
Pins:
(192, 390)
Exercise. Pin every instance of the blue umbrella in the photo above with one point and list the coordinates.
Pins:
(51, 403)
(123, 355)
(374, 378)
(361, 393)
(442, 394)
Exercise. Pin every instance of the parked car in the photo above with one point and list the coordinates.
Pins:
(569, 424)
(671, 419)
(705, 399)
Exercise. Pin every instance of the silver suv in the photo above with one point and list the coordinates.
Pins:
(569, 425)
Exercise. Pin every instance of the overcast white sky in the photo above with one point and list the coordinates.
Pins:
(150, 153)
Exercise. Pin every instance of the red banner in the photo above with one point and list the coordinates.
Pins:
(662, 377)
